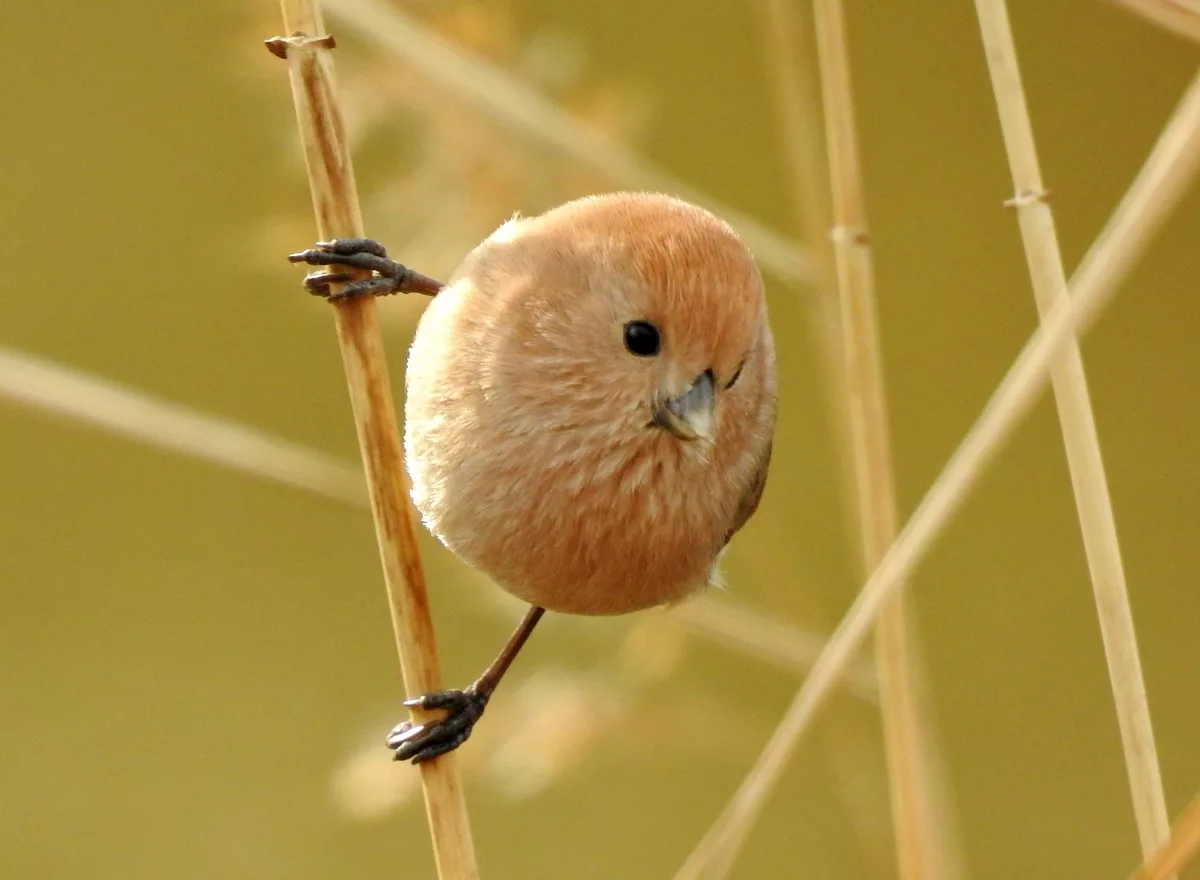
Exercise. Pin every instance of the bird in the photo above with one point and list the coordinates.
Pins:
(589, 411)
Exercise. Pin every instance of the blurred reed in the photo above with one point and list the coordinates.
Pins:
(498, 94)
(71, 394)
(1092, 500)
(1155, 193)
(787, 61)
(800, 131)
(1180, 17)
(919, 851)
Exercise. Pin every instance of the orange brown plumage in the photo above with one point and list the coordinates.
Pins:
(537, 442)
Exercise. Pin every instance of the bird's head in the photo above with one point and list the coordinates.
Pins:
(640, 316)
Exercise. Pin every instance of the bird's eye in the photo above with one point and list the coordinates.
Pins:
(641, 338)
(737, 374)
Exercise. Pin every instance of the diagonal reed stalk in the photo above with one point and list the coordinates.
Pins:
(502, 96)
(1159, 186)
(1180, 17)
(918, 849)
(1180, 850)
(307, 49)
(1080, 438)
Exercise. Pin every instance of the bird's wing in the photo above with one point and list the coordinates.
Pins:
(749, 502)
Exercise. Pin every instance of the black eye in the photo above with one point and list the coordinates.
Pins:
(737, 374)
(641, 338)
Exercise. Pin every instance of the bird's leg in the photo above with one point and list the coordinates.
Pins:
(360, 253)
(421, 742)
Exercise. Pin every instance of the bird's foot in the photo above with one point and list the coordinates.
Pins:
(360, 253)
(421, 742)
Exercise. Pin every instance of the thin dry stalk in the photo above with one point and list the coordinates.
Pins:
(506, 98)
(335, 202)
(1154, 194)
(918, 848)
(1080, 437)
(1180, 850)
(1180, 17)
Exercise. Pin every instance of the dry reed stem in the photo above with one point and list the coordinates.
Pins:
(918, 848)
(1154, 194)
(1180, 850)
(501, 95)
(1180, 17)
(335, 203)
(1080, 438)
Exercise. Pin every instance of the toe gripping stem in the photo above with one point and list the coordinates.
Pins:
(387, 276)
(422, 742)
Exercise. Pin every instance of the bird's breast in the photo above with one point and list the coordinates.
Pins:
(574, 527)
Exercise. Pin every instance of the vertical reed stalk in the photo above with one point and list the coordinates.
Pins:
(1080, 438)
(917, 847)
(335, 203)
(1156, 192)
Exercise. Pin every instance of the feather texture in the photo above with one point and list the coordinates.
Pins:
(530, 427)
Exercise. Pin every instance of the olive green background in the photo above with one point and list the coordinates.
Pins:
(198, 666)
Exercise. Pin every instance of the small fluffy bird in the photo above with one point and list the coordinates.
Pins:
(590, 406)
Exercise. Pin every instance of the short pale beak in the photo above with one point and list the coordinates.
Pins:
(690, 416)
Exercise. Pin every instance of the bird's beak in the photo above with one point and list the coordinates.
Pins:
(690, 416)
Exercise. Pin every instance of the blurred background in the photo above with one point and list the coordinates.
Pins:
(198, 664)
